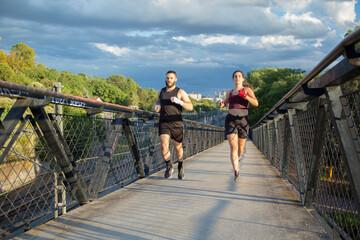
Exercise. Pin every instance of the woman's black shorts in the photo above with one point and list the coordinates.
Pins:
(236, 124)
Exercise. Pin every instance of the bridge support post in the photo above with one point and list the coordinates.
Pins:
(133, 146)
(270, 152)
(58, 148)
(106, 153)
(347, 143)
(12, 119)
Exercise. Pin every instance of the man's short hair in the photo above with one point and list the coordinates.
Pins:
(171, 71)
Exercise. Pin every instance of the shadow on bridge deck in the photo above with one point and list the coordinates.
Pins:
(208, 204)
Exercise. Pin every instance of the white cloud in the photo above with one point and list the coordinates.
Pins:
(117, 51)
(206, 40)
(341, 12)
(291, 5)
(280, 40)
(147, 34)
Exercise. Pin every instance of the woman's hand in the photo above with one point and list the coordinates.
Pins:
(222, 104)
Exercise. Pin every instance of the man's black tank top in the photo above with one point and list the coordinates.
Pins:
(170, 113)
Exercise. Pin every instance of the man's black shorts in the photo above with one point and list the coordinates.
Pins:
(176, 133)
(236, 124)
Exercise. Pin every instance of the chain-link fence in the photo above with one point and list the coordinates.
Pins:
(50, 163)
(314, 134)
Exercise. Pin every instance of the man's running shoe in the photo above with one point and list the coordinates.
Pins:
(181, 173)
(168, 172)
(237, 176)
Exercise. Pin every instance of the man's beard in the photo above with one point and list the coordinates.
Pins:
(169, 85)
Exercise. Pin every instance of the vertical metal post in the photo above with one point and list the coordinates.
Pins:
(58, 150)
(57, 86)
(133, 146)
(56, 195)
(346, 143)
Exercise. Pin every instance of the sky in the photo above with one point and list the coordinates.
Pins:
(204, 41)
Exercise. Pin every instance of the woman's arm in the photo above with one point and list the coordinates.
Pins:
(251, 97)
(226, 102)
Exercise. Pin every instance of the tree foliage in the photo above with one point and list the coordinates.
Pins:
(20, 66)
(270, 85)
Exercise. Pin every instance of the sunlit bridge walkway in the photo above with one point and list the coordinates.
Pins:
(208, 204)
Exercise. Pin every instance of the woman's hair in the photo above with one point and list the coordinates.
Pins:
(245, 84)
(239, 72)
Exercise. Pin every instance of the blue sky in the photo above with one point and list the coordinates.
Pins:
(203, 40)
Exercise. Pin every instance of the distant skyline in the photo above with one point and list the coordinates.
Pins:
(204, 41)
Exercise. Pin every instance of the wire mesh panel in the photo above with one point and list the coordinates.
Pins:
(305, 128)
(84, 136)
(334, 196)
(291, 172)
(280, 149)
(26, 178)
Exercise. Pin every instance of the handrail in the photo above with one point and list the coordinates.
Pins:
(75, 101)
(15, 90)
(351, 39)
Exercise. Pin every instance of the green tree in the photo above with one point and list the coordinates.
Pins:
(109, 93)
(270, 85)
(24, 55)
(6, 73)
(353, 85)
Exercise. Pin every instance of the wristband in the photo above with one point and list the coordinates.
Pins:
(242, 94)
(178, 101)
(156, 107)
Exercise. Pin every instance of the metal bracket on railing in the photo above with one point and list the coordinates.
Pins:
(92, 111)
(298, 105)
(315, 92)
(279, 111)
(39, 103)
(124, 115)
(352, 55)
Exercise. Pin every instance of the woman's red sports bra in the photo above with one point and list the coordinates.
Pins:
(237, 102)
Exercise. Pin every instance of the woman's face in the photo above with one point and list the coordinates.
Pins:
(238, 78)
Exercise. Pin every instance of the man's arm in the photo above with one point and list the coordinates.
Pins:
(183, 99)
(157, 103)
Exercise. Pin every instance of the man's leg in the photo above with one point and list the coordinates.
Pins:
(165, 138)
(179, 154)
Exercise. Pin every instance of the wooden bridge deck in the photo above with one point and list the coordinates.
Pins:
(207, 204)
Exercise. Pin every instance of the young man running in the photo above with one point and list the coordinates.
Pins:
(170, 102)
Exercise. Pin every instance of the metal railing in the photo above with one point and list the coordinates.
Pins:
(312, 137)
(52, 162)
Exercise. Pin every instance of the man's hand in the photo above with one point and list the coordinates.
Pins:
(176, 100)
(242, 94)
(157, 108)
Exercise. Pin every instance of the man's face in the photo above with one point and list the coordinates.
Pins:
(170, 80)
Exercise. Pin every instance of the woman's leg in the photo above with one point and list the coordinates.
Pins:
(233, 142)
(241, 142)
